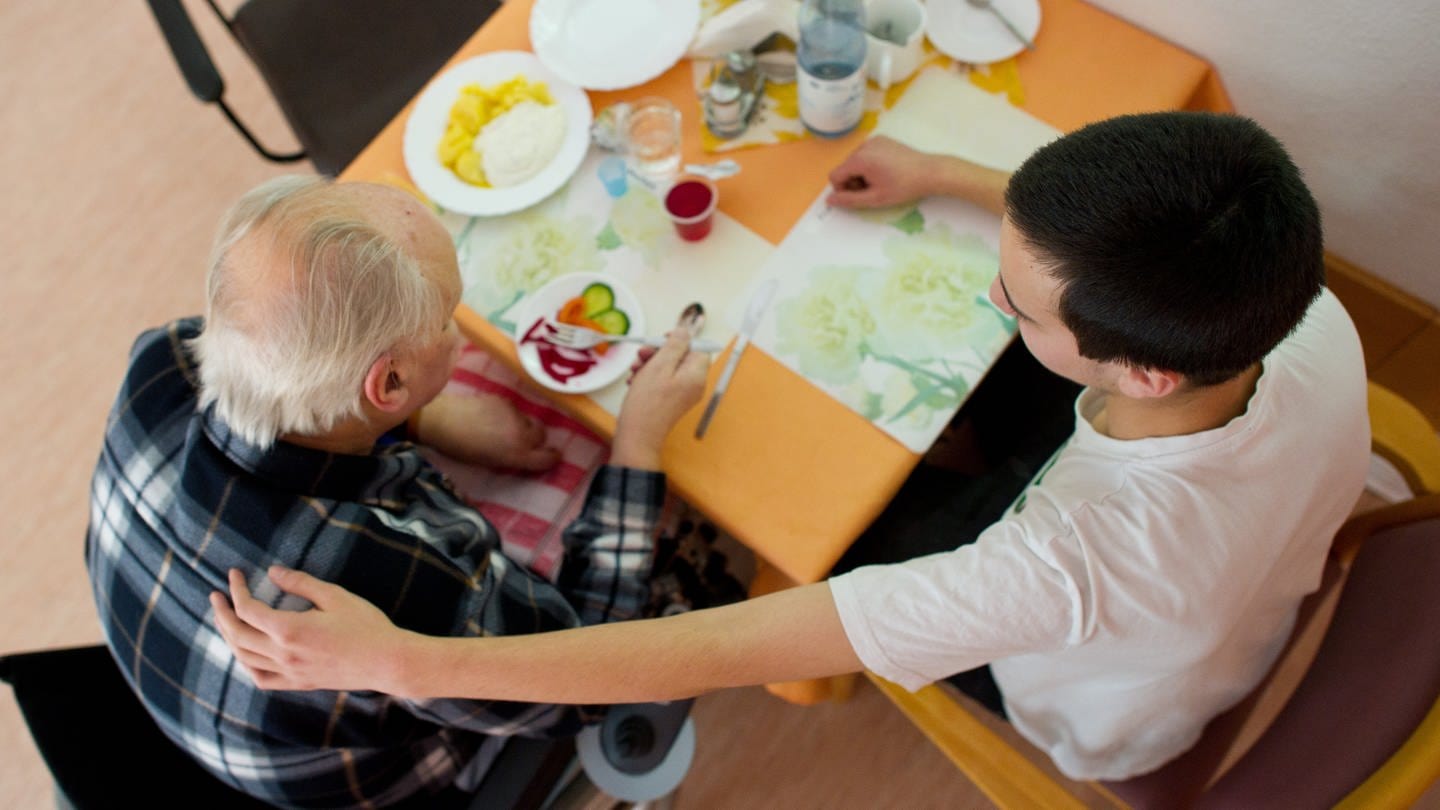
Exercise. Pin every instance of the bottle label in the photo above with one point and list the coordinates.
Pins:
(831, 105)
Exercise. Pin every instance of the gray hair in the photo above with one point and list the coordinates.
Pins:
(289, 355)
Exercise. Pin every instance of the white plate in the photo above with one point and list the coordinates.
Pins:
(427, 123)
(545, 303)
(612, 44)
(969, 34)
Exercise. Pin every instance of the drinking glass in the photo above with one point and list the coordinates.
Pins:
(652, 137)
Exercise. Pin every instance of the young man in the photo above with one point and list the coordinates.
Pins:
(1146, 578)
(264, 434)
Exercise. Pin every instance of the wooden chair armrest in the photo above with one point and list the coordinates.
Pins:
(1000, 772)
(1357, 529)
(1404, 437)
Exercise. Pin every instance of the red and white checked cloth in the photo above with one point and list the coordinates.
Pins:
(530, 510)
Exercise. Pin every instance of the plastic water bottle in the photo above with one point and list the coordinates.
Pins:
(832, 65)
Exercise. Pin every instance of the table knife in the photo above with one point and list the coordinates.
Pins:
(754, 311)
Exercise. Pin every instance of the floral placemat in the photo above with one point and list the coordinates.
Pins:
(888, 312)
(581, 229)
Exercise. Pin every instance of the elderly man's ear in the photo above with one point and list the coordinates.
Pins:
(386, 385)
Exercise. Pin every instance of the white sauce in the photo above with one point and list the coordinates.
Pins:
(517, 145)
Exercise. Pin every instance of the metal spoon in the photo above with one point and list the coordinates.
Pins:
(692, 318)
(989, 6)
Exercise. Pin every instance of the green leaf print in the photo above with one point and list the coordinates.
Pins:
(912, 223)
(608, 238)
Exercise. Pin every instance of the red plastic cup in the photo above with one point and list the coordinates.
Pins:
(691, 206)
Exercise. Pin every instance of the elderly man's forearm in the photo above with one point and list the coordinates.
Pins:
(792, 635)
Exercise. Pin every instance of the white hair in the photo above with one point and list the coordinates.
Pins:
(288, 352)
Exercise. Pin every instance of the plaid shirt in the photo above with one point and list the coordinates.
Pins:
(177, 500)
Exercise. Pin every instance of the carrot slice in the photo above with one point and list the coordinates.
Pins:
(572, 312)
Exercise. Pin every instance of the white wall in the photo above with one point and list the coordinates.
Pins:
(1353, 90)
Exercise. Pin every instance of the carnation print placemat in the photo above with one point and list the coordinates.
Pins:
(888, 310)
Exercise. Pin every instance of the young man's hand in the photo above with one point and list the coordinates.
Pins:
(485, 429)
(882, 172)
(343, 643)
(665, 385)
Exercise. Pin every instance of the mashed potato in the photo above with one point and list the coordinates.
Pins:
(516, 146)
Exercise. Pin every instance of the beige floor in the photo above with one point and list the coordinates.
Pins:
(113, 179)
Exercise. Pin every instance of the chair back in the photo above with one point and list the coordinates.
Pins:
(101, 746)
(1374, 681)
(104, 750)
(1369, 700)
(339, 70)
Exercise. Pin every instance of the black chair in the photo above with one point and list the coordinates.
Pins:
(99, 743)
(105, 751)
(338, 69)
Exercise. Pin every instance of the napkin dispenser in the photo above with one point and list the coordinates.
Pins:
(744, 25)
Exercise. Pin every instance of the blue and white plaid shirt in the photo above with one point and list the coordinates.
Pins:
(177, 500)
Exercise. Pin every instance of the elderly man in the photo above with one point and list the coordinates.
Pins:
(267, 434)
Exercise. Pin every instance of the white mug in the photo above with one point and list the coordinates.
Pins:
(894, 41)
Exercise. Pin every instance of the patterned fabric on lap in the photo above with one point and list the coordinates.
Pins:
(529, 510)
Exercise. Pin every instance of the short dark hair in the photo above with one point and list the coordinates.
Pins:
(1183, 241)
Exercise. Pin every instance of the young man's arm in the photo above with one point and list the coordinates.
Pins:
(347, 643)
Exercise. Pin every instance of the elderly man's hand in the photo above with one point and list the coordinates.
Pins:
(667, 383)
(487, 430)
(344, 642)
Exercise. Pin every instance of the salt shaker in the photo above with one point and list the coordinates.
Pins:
(723, 103)
(734, 94)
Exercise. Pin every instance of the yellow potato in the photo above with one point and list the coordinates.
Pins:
(467, 168)
(475, 107)
(466, 113)
(455, 141)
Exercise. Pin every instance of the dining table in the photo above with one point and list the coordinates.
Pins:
(786, 469)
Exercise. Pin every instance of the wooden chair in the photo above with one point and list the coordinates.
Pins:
(338, 69)
(1361, 729)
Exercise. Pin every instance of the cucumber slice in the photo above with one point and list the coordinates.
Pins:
(598, 298)
(612, 321)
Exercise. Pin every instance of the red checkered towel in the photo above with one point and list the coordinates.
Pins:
(529, 509)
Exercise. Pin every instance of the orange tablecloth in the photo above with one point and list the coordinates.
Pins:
(788, 470)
